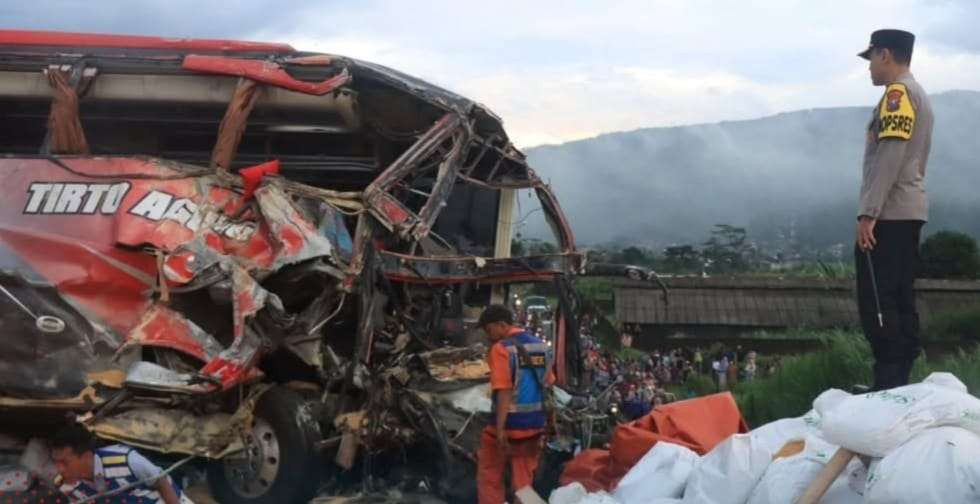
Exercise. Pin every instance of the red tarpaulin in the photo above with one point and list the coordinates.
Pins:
(698, 424)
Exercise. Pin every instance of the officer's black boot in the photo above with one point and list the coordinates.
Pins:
(910, 345)
(880, 380)
(904, 372)
(888, 375)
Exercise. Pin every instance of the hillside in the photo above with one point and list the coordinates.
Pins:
(796, 172)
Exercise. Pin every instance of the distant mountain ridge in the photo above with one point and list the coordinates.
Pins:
(794, 173)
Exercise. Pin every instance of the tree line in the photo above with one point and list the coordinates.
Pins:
(728, 250)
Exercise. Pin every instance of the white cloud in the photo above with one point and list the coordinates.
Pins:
(942, 71)
(569, 105)
(563, 71)
(553, 105)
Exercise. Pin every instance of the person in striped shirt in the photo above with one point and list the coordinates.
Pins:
(119, 471)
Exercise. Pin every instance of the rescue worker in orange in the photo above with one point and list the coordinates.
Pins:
(520, 376)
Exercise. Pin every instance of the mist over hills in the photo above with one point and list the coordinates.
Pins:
(793, 173)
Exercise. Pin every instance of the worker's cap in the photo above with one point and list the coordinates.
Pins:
(495, 313)
(891, 39)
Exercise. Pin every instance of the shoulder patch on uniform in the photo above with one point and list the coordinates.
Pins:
(114, 460)
(896, 115)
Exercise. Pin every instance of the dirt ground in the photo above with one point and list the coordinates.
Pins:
(200, 495)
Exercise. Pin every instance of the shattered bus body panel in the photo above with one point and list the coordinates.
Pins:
(99, 216)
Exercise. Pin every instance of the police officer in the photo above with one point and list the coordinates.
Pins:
(893, 208)
(87, 472)
(520, 375)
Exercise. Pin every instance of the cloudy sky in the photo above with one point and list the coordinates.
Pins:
(565, 70)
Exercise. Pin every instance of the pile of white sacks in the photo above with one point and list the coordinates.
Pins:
(922, 441)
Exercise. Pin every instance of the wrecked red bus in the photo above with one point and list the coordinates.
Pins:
(229, 250)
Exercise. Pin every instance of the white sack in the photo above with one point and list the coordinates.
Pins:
(727, 474)
(841, 492)
(938, 465)
(948, 380)
(829, 400)
(572, 493)
(599, 498)
(774, 435)
(662, 472)
(878, 422)
(857, 477)
(787, 478)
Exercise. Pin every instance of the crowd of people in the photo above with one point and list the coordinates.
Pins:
(639, 383)
(726, 368)
(633, 386)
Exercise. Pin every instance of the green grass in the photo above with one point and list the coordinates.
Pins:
(801, 378)
(595, 288)
(961, 323)
(965, 364)
(845, 361)
(796, 333)
(695, 386)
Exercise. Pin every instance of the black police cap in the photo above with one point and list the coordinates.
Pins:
(891, 39)
(495, 313)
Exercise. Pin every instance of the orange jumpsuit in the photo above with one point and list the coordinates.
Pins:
(525, 444)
